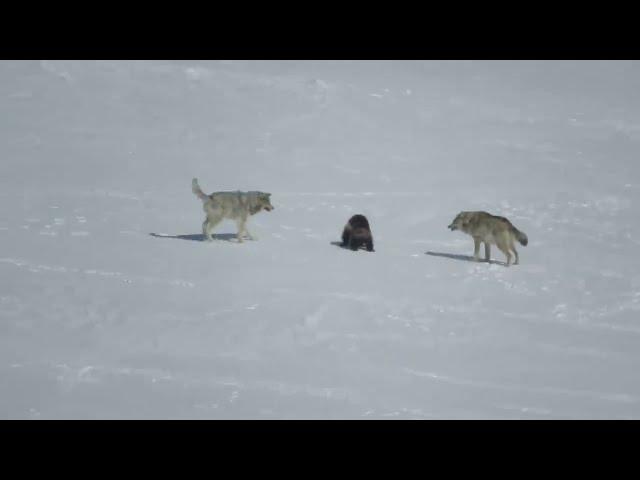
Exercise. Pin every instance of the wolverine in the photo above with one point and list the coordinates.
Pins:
(490, 229)
(357, 234)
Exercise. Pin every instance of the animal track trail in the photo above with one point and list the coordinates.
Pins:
(80, 221)
(127, 279)
(55, 226)
(558, 392)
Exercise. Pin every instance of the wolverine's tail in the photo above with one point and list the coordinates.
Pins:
(195, 188)
(520, 236)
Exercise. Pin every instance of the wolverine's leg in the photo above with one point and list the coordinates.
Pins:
(369, 245)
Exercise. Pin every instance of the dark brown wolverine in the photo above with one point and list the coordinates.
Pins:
(357, 234)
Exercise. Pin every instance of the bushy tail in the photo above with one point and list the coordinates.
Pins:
(195, 188)
(520, 236)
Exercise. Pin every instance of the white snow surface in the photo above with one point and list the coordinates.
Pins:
(112, 306)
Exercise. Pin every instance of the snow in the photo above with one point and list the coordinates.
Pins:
(112, 306)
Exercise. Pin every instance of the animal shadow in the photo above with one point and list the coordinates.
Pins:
(339, 244)
(197, 237)
(466, 258)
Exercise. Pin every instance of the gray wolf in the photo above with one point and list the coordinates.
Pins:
(357, 234)
(490, 229)
(238, 206)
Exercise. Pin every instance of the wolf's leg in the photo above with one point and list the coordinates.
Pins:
(513, 249)
(242, 228)
(249, 234)
(504, 249)
(208, 226)
(205, 229)
(487, 251)
(476, 249)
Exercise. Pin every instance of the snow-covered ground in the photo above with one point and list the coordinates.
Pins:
(111, 306)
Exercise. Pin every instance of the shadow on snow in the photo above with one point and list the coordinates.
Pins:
(466, 258)
(197, 237)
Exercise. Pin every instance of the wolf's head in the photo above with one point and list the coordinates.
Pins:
(261, 201)
(459, 222)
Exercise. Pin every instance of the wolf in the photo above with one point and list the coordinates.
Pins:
(357, 234)
(487, 228)
(238, 206)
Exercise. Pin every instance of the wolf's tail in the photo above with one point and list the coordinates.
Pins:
(195, 188)
(520, 236)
